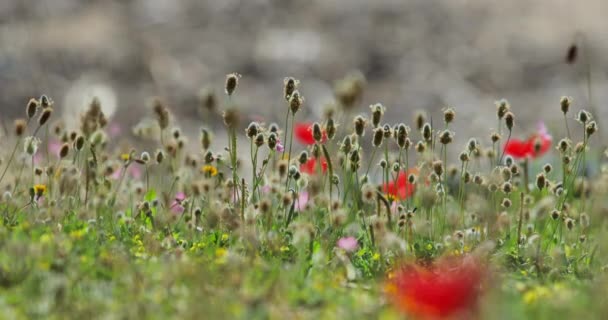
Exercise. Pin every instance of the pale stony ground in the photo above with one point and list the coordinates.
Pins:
(415, 54)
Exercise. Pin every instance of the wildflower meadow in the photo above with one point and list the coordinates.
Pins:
(350, 215)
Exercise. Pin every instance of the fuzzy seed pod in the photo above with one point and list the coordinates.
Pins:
(20, 125)
(145, 157)
(79, 143)
(387, 131)
(507, 187)
(252, 130)
(509, 120)
(360, 124)
(259, 140)
(438, 167)
(569, 223)
(506, 203)
(295, 102)
(427, 132)
(383, 163)
(378, 137)
(448, 115)
(31, 108)
(495, 137)
(583, 116)
(282, 168)
(231, 117)
(509, 161)
(161, 112)
(377, 113)
(160, 156)
(590, 128)
(445, 137)
(232, 81)
(272, 140)
(303, 157)
(506, 173)
(411, 179)
(565, 103)
(541, 181)
(355, 157)
(208, 157)
(420, 147)
(402, 135)
(555, 214)
(420, 120)
(317, 134)
(44, 116)
(290, 85)
(208, 100)
(547, 168)
(464, 156)
(63, 152)
(330, 128)
(396, 167)
(477, 179)
(502, 107)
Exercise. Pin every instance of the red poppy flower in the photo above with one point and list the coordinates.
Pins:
(451, 287)
(521, 149)
(401, 189)
(303, 133)
(310, 166)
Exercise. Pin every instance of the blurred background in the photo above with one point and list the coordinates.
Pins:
(417, 54)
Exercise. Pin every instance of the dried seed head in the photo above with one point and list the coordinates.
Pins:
(272, 140)
(360, 124)
(20, 125)
(541, 181)
(411, 178)
(330, 128)
(289, 86)
(161, 112)
(464, 156)
(378, 137)
(232, 81)
(509, 161)
(449, 114)
(507, 187)
(555, 214)
(349, 90)
(346, 144)
(547, 168)
(160, 156)
(506, 173)
(506, 203)
(492, 187)
(383, 163)
(564, 103)
(427, 132)
(317, 134)
(420, 147)
(44, 116)
(282, 168)
(473, 144)
(377, 113)
(420, 119)
(563, 145)
(355, 157)
(396, 167)
(502, 107)
(569, 223)
(145, 157)
(252, 130)
(30, 109)
(63, 152)
(566, 160)
(579, 147)
(495, 137)
(176, 133)
(509, 120)
(438, 167)
(45, 101)
(402, 135)
(79, 143)
(295, 102)
(368, 193)
(231, 117)
(208, 100)
(259, 140)
(303, 157)
(446, 137)
(583, 116)
(477, 179)
(590, 128)
(388, 131)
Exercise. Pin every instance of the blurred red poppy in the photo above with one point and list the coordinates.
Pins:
(535, 146)
(310, 166)
(303, 133)
(400, 189)
(449, 288)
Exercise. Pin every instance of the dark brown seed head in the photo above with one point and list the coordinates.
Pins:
(231, 117)
(449, 114)
(44, 116)
(259, 140)
(583, 116)
(541, 181)
(360, 124)
(572, 54)
(377, 113)
(502, 107)
(20, 125)
(30, 109)
(590, 128)
(509, 120)
(45, 101)
(420, 120)
(272, 140)
(445, 137)
(79, 143)
(252, 130)
(63, 152)
(161, 112)
(564, 103)
(438, 167)
(290, 85)
(205, 139)
(208, 100)
(317, 134)
(427, 132)
(495, 137)
(378, 137)
(330, 128)
(232, 81)
(295, 102)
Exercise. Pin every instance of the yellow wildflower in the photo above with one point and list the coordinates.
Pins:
(125, 156)
(209, 169)
(39, 190)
